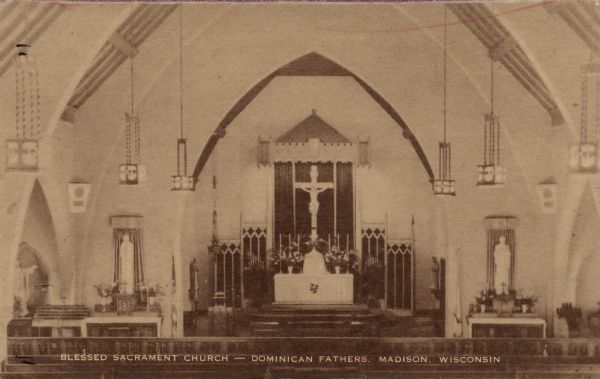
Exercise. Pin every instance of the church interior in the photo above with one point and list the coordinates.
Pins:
(284, 178)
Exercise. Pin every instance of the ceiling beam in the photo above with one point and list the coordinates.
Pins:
(144, 20)
(582, 18)
(68, 114)
(121, 44)
(504, 48)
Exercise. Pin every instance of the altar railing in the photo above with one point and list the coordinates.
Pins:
(576, 349)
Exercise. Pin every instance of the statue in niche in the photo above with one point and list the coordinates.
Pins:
(23, 290)
(126, 276)
(502, 263)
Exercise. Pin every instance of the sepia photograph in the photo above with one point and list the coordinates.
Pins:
(291, 190)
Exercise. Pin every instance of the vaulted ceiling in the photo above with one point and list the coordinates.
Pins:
(26, 22)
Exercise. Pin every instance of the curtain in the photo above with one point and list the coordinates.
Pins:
(345, 204)
(284, 201)
(285, 194)
(135, 236)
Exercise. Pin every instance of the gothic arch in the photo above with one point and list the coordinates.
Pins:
(50, 258)
(311, 64)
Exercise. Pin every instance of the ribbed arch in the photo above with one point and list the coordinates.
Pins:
(311, 64)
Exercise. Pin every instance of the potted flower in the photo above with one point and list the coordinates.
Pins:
(289, 256)
(105, 291)
(485, 300)
(525, 303)
(153, 293)
(571, 314)
(338, 257)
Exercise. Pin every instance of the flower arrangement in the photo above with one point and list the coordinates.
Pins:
(525, 301)
(156, 291)
(336, 256)
(571, 314)
(288, 256)
(342, 257)
(105, 290)
(486, 297)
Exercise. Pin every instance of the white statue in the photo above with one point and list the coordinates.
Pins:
(23, 286)
(502, 266)
(126, 276)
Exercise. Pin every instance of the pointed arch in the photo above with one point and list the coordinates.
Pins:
(311, 64)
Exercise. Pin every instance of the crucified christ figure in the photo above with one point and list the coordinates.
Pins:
(314, 188)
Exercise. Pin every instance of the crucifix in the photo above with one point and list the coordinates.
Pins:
(314, 188)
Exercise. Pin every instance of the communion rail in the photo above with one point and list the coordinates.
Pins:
(577, 350)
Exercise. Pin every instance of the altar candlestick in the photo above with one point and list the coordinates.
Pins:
(347, 243)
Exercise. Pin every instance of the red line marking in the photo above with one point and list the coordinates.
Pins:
(437, 26)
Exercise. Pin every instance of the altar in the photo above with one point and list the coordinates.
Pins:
(314, 289)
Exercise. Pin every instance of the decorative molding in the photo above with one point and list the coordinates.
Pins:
(68, 114)
(127, 222)
(314, 151)
(500, 222)
(123, 45)
(505, 46)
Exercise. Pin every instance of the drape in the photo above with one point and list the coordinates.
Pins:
(135, 236)
(345, 203)
(285, 195)
(284, 201)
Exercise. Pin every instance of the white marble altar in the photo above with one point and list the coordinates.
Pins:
(314, 289)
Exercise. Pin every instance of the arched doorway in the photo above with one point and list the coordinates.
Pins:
(34, 279)
(31, 282)
(584, 261)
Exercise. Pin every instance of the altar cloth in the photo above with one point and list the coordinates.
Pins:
(314, 289)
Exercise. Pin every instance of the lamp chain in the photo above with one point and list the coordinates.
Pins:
(584, 109)
(445, 69)
(18, 106)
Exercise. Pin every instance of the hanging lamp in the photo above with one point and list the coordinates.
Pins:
(491, 173)
(22, 150)
(181, 181)
(583, 157)
(132, 171)
(444, 185)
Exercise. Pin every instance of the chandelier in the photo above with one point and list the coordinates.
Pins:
(491, 172)
(132, 171)
(181, 181)
(583, 157)
(22, 151)
(444, 185)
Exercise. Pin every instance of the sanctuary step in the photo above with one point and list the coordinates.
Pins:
(420, 325)
(278, 320)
